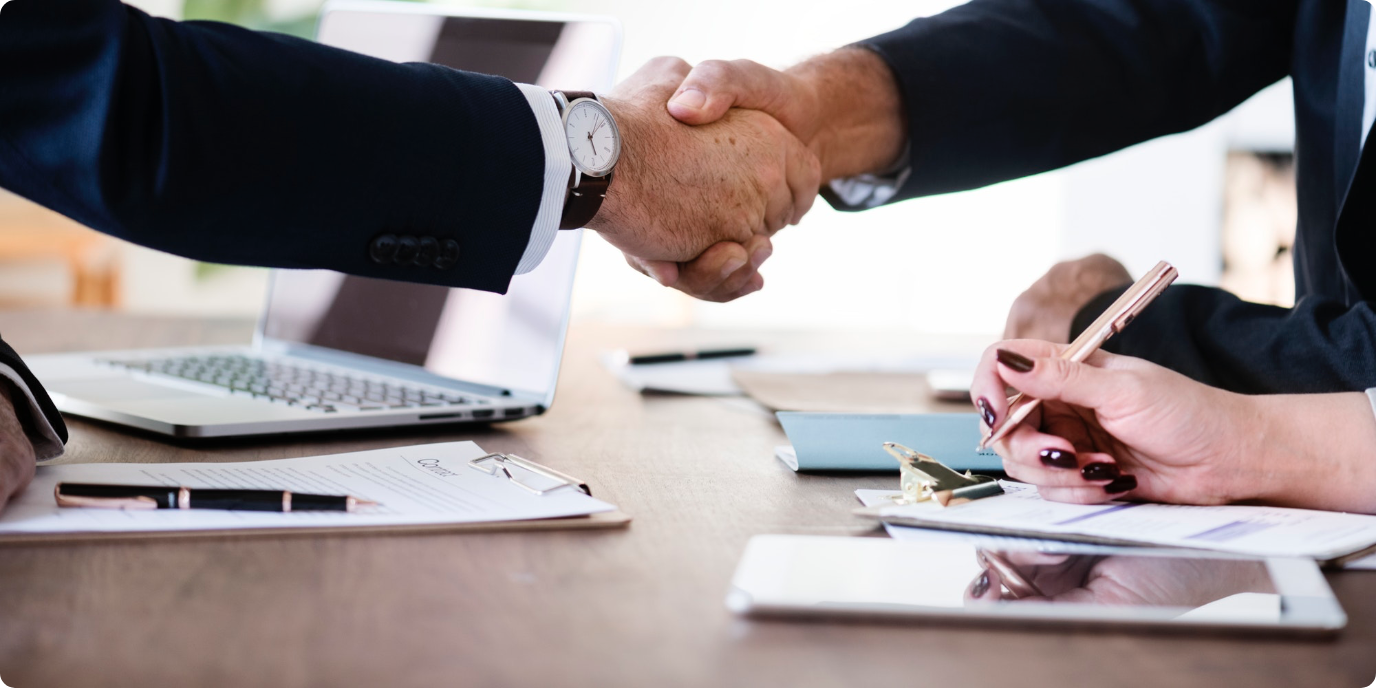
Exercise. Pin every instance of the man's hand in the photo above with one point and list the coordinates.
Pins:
(1046, 310)
(845, 106)
(16, 452)
(680, 190)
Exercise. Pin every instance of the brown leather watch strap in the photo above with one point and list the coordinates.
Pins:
(585, 199)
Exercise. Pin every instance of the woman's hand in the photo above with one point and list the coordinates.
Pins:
(1118, 580)
(1115, 426)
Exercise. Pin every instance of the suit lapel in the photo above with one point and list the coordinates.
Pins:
(1351, 98)
(1355, 235)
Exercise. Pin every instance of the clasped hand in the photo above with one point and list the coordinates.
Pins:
(696, 200)
(709, 196)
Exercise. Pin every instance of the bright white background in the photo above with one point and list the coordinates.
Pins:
(944, 264)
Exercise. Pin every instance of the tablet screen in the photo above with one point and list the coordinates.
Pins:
(790, 574)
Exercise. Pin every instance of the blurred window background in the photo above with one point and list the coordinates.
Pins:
(1218, 202)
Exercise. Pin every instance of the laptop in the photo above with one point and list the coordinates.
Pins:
(333, 351)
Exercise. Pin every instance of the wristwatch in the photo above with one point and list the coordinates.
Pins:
(595, 146)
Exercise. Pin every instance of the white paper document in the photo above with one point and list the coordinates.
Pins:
(416, 485)
(1252, 530)
(915, 534)
(713, 377)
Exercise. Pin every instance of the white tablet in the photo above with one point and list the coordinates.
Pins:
(788, 575)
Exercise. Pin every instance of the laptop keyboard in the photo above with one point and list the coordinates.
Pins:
(313, 389)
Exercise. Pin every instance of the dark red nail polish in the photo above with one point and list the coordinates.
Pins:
(1014, 360)
(981, 586)
(1123, 483)
(1099, 471)
(1056, 458)
(986, 411)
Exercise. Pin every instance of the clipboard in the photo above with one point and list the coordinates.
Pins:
(517, 470)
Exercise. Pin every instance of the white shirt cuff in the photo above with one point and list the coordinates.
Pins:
(47, 445)
(867, 191)
(558, 166)
(1371, 396)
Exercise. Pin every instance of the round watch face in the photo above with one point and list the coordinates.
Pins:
(594, 141)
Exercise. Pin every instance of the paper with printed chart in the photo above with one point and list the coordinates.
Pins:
(415, 486)
(1251, 530)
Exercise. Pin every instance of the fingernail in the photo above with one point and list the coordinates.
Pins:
(1124, 483)
(690, 98)
(1014, 360)
(1056, 458)
(731, 267)
(760, 255)
(986, 411)
(981, 586)
(1099, 471)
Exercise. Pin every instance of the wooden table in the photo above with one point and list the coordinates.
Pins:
(636, 607)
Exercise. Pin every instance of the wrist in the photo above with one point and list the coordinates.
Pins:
(1257, 459)
(614, 205)
(860, 125)
(1315, 451)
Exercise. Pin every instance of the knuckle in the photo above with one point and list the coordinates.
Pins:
(1064, 372)
(712, 70)
(669, 62)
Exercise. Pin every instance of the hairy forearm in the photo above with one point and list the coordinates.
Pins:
(1315, 451)
(861, 124)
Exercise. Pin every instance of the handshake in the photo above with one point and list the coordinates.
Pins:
(716, 159)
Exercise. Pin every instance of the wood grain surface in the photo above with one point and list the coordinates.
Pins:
(638, 607)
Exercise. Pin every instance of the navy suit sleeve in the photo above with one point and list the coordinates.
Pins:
(1000, 89)
(47, 442)
(232, 146)
(1218, 339)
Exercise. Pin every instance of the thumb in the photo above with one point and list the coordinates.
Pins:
(715, 86)
(1056, 379)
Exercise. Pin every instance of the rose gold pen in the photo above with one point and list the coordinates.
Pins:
(1111, 322)
(1018, 586)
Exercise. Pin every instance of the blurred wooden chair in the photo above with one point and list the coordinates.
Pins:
(31, 234)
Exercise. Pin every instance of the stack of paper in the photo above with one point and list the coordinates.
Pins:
(1250, 530)
(426, 485)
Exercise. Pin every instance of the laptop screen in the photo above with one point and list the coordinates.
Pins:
(512, 341)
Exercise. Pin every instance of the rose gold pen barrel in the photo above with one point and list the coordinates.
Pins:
(1112, 321)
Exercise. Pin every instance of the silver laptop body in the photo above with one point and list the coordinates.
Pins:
(333, 351)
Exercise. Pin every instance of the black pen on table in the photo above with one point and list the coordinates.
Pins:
(679, 356)
(140, 497)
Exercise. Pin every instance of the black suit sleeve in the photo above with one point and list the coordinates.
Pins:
(1000, 89)
(1218, 339)
(231, 146)
(35, 410)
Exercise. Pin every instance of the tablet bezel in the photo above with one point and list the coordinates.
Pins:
(1308, 606)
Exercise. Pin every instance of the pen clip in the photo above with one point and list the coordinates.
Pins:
(130, 503)
(923, 478)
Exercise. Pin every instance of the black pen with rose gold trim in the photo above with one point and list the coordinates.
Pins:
(140, 497)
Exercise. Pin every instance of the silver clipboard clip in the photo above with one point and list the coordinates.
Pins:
(499, 464)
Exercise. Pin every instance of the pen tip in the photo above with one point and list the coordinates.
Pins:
(359, 501)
